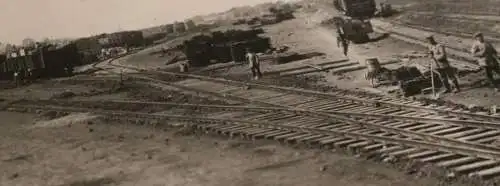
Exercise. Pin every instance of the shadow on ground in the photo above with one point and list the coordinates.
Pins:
(298, 57)
(380, 37)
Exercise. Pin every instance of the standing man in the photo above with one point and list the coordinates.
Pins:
(342, 40)
(254, 63)
(16, 77)
(486, 56)
(27, 75)
(446, 71)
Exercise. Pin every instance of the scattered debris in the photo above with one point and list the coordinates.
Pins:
(323, 168)
(185, 131)
(14, 176)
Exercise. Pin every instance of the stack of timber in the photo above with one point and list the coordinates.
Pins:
(224, 46)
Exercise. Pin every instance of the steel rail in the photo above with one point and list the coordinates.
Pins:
(460, 149)
(328, 116)
(347, 118)
(352, 98)
(441, 121)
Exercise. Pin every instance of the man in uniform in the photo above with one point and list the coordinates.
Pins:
(342, 40)
(486, 56)
(254, 63)
(446, 71)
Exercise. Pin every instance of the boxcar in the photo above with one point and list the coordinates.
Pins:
(56, 61)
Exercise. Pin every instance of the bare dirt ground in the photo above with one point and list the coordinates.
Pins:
(53, 89)
(97, 153)
(73, 151)
(385, 49)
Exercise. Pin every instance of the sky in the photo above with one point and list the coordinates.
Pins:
(39, 19)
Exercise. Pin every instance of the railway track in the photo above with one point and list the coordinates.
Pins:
(294, 126)
(471, 17)
(376, 115)
(452, 138)
(455, 53)
(454, 32)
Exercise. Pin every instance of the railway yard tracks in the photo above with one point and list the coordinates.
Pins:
(458, 140)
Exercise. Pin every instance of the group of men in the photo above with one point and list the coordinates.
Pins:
(21, 76)
(483, 51)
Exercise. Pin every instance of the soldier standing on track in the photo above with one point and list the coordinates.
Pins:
(446, 71)
(254, 63)
(342, 40)
(486, 56)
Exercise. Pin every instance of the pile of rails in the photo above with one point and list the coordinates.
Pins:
(224, 46)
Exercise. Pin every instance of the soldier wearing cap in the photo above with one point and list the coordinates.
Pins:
(486, 56)
(438, 53)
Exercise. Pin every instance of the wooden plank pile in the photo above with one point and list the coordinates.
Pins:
(224, 46)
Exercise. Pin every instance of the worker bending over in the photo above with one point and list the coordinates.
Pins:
(446, 71)
(254, 63)
(342, 41)
(486, 56)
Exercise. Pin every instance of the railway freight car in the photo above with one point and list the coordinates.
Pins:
(169, 28)
(89, 49)
(179, 27)
(16, 63)
(123, 39)
(199, 50)
(44, 62)
(59, 62)
(133, 39)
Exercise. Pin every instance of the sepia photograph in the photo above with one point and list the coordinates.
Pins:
(249, 93)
